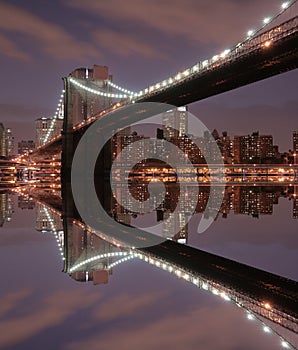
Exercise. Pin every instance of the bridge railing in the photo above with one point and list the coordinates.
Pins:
(261, 41)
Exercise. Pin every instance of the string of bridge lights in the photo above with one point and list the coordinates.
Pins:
(205, 285)
(97, 257)
(122, 89)
(96, 92)
(206, 63)
(58, 114)
(53, 229)
(201, 65)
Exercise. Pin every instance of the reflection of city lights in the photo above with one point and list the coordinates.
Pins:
(284, 344)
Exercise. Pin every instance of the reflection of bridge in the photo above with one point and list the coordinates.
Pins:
(263, 295)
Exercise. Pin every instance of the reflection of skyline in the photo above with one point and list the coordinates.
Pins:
(88, 257)
(253, 201)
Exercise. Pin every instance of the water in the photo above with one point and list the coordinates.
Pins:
(136, 305)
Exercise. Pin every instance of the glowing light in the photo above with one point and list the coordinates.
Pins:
(285, 5)
(250, 317)
(266, 329)
(250, 32)
(267, 306)
(284, 344)
(266, 20)
(267, 43)
(205, 63)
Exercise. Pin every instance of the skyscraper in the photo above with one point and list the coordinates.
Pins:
(44, 125)
(252, 148)
(3, 144)
(6, 141)
(175, 123)
(295, 141)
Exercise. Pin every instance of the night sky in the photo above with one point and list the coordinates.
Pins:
(142, 42)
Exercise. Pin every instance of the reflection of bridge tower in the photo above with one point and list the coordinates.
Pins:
(87, 256)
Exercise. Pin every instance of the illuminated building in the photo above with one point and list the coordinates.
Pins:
(25, 146)
(250, 201)
(295, 203)
(6, 207)
(10, 142)
(175, 123)
(295, 147)
(253, 148)
(295, 141)
(43, 125)
(6, 141)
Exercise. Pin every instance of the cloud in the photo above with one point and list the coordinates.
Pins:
(195, 21)
(125, 44)
(51, 38)
(9, 48)
(49, 312)
(187, 330)
(126, 305)
(11, 300)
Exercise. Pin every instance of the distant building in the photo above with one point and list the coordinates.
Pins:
(253, 148)
(9, 142)
(295, 141)
(25, 146)
(3, 144)
(6, 207)
(175, 123)
(44, 126)
(6, 141)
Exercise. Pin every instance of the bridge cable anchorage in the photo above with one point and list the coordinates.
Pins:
(206, 64)
(117, 87)
(96, 92)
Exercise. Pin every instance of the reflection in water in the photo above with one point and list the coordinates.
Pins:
(87, 256)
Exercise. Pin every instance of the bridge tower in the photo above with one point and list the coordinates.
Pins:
(79, 105)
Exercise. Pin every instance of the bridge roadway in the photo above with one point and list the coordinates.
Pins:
(252, 62)
(281, 293)
(258, 63)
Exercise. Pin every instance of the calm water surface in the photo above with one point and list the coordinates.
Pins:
(135, 305)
